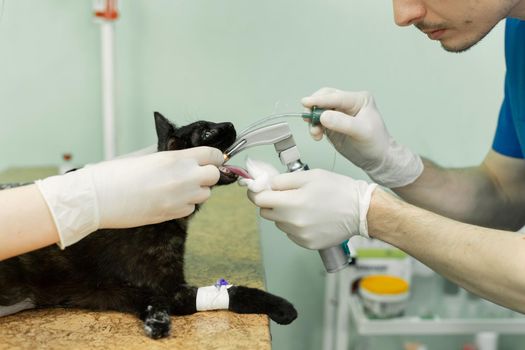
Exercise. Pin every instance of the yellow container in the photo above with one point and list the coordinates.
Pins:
(384, 296)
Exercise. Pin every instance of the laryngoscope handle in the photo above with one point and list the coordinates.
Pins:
(334, 258)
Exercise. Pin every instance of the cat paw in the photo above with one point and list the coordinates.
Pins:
(157, 323)
(283, 313)
(245, 300)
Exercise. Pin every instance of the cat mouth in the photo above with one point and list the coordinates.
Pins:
(230, 174)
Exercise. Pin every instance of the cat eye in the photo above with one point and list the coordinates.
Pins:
(206, 134)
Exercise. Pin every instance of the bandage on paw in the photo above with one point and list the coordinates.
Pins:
(213, 297)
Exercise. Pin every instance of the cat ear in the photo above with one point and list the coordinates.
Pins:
(164, 127)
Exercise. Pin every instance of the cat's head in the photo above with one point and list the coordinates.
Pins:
(200, 133)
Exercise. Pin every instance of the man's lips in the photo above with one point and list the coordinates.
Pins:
(435, 34)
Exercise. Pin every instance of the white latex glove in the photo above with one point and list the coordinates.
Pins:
(130, 192)
(317, 209)
(357, 131)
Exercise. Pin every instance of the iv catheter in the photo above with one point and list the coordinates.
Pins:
(279, 134)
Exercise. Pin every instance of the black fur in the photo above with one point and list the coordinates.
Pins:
(137, 270)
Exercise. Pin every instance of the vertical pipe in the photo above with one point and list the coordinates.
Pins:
(343, 309)
(330, 307)
(107, 33)
(106, 13)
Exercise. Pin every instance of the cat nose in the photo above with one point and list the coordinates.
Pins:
(226, 125)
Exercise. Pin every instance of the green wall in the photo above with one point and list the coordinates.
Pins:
(49, 83)
(240, 60)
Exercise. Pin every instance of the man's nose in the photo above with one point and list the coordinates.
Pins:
(408, 12)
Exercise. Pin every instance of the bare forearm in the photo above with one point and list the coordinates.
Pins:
(26, 223)
(469, 195)
(485, 261)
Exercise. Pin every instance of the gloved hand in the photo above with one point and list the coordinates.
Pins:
(130, 192)
(317, 209)
(261, 175)
(358, 132)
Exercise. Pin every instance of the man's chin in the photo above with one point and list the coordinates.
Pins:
(457, 47)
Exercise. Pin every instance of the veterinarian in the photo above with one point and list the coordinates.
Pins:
(459, 222)
(127, 192)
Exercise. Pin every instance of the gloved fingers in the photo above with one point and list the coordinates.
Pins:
(208, 175)
(299, 236)
(261, 199)
(204, 155)
(316, 131)
(251, 196)
(184, 211)
(329, 101)
(291, 230)
(305, 238)
(354, 101)
(268, 214)
(258, 185)
(346, 101)
(244, 182)
(325, 91)
(342, 123)
(289, 219)
(307, 101)
(201, 195)
(270, 199)
(292, 181)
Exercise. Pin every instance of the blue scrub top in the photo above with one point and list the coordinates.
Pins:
(510, 133)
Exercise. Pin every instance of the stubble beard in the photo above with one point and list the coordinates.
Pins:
(504, 13)
(465, 46)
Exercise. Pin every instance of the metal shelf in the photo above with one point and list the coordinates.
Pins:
(343, 309)
(416, 325)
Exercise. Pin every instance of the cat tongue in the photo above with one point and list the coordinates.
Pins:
(238, 171)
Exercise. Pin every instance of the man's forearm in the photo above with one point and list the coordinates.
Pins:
(469, 195)
(26, 223)
(485, 261)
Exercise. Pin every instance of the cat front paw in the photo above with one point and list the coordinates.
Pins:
(157, 323)
(247, 300)
(283, 312)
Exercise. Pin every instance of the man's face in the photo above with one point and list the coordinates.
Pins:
(457, 24)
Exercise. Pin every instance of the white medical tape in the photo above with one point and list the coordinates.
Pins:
(213, 298)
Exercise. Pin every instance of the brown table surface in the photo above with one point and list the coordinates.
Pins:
(223, 242)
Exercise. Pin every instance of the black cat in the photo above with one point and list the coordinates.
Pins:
(137, 270)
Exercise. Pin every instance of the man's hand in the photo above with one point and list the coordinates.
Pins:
(131, 191)
(355, 127)
(316, 208)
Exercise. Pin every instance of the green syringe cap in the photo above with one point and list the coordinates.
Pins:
(314, 115)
